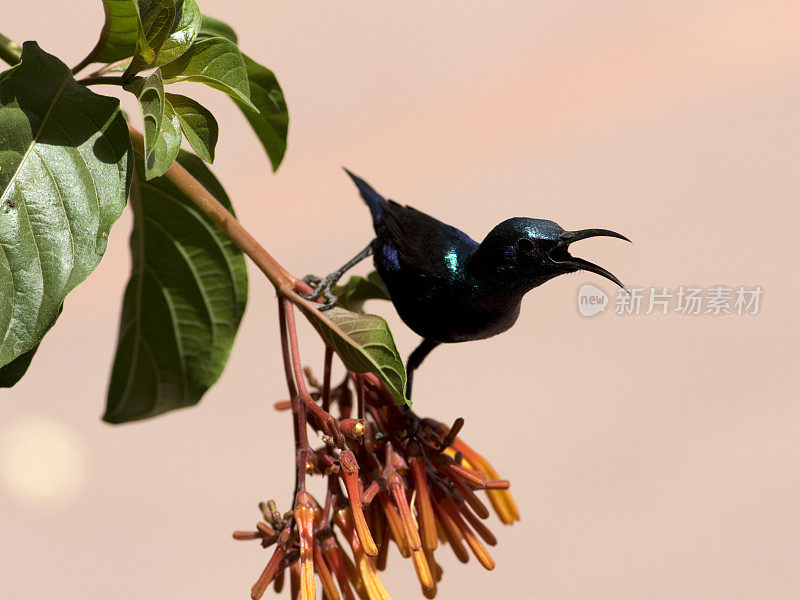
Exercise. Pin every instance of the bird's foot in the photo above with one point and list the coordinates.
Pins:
(414, 423)
(323, 286)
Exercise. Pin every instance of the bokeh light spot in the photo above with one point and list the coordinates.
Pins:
(42, 462)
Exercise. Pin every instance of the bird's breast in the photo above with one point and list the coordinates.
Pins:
(451, 312)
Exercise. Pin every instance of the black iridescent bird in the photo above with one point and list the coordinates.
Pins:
(447, 287)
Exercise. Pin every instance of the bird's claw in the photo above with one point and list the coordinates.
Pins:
(414, 424)
(323, 286)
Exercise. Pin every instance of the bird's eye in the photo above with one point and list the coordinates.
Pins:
(525, 245)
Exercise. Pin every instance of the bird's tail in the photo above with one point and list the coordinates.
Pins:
(375, 202)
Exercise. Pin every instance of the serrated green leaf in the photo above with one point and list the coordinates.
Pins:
(358, 290)
(11, 373)
(212, 27)
(364, 343)
(121, 32)
(183, 303)
(218, 63)
(271, 122)
(162, 130)
(65, 166)
(169, 28)
(197, 123)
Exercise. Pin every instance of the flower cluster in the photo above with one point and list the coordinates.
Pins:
(390, 479)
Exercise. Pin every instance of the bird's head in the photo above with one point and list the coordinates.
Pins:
(535, 250)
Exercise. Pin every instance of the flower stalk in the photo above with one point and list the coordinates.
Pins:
(386, 486)
(386, 483)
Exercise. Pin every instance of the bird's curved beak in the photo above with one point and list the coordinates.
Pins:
(562, 257)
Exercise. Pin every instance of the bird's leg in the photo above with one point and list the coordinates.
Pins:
(414, 361)
(324, 285)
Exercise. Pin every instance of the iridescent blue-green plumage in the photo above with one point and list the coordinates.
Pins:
(447, 287)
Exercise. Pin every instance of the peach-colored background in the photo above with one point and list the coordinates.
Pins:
(652, 457)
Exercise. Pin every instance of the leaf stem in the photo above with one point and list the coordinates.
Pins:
(106, 68)
(279, 277)
(84, 63)
(105, 80)
(10, 51)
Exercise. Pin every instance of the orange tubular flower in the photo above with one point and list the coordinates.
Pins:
(452, 534)
(466, 492)
(260, 586)
(349, 474)
(333, 556)
(423, 503)
(325, 576)
(409, 525)
(472, 540)
(294, 580)
(395, 524)
(304, 517)
(478, 525)
(502, 501)
(280, 579)
(384, 483)
(364, 563)
(422, 569)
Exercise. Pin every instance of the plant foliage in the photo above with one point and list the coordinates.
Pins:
(66, 168)
(183, 304)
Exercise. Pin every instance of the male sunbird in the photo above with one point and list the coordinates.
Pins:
(449, 288)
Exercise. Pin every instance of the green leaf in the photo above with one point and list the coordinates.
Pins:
(183, 303)
(271, 122)
(121, 31)
(216, 62)
(364, 343)
(11, 373)
(358, 290)
(162, 130)
(169, 28)
(198, 125)
(212, 27)
(169, 141)
(180, 36)
(65, 167)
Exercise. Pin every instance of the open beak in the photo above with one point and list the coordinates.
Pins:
(562, 257)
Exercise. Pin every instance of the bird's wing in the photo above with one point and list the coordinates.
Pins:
(408, 237)
(426, 244)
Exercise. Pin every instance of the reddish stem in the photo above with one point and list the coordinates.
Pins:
(205, 201)
(326, 379)
(299, 412)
